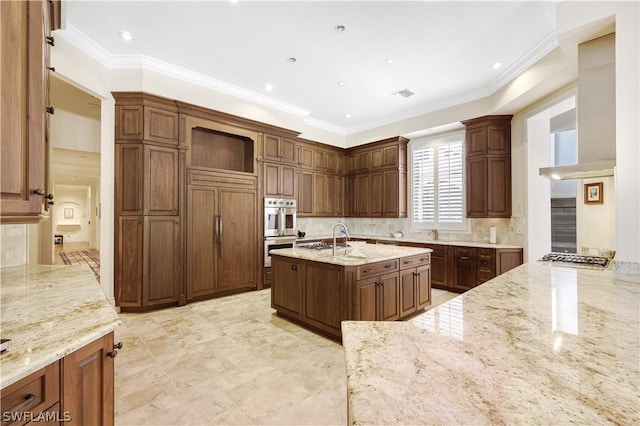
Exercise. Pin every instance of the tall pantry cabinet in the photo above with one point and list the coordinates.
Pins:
(148, 258)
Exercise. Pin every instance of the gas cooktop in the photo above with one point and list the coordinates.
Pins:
(318, 245)
(576, 260)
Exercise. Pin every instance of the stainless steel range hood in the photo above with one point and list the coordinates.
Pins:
(596, 113)
(580, 171)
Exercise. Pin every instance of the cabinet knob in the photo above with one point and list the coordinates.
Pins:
(49, 197)
(294, 267)
(51, 110)
(39, 191)
(52, 69)
(112, 354)
(117, 345)
(50, 40)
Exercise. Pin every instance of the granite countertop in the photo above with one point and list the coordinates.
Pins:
(371, 253)
(49, 312)
(537, 345)
(415, 240)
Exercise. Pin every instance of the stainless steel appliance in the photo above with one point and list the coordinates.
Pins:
(576, 261)
(272, 243)
(279, 217)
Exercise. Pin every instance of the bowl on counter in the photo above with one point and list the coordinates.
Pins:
(355, 248)
(397, 234)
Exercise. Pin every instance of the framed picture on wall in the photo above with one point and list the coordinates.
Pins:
(68, 213)
(593, 193)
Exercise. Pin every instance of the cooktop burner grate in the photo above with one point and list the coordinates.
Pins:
(576, 259)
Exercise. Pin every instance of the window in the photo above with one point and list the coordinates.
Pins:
(438, 203)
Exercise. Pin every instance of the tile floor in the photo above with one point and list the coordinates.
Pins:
(228, 361)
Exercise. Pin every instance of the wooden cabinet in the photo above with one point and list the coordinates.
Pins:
(304, 193)
(77, 390)
(286, 296)
(279, 180)
(24, 145)
(486, 264)
(305, 156)
(377, 298)
(88, 384)
(464, 267)
(324, 297)
(37, 393)
(377, 182)
(279, 149)
(222, 237)
(148, 246)
(415, 284)
(488, 151)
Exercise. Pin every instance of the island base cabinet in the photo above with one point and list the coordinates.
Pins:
(286, 296)
(415, 290)
(88, 382)
(377, 298)
(325, 298)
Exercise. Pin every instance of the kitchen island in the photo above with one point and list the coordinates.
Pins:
(536, 345)
(318, 290)
(61, 325)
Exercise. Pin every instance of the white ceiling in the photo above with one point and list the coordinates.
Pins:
(443, 51)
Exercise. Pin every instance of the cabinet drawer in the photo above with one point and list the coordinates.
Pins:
(373, 269)
(465, 251)
(487, 264)
(413, 261)
(485, 275)
(486, 253)
(32, 394)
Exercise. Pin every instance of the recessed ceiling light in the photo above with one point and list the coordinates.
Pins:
(340, 28)
(292, 60)
(496, 65)
(233, 1)
(126, 35)
(348, 115)
(390, 60)
(268, 87)
(341, 83)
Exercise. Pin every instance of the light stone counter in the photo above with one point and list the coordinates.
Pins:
(372, 253)
(415, 240)
(537, 345)
(49, 312)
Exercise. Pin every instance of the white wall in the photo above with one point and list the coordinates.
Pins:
(73, 131)
(596, 223)
(75, 199)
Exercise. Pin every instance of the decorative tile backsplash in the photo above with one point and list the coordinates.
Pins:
(505, 229)
(13, 245)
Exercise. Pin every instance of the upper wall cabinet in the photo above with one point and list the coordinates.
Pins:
(25, 41)
(279, 149)
(488, 150)
(141, 116)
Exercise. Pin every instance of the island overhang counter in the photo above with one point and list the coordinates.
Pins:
(318, 290)
(536, 345)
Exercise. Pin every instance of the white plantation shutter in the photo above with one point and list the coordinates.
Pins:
(423, 184)
(438, 203)
(450, 190)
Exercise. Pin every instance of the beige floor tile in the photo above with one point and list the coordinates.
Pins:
(228, 361)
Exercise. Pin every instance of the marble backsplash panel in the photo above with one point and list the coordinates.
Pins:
(505, 229)
(13, 245)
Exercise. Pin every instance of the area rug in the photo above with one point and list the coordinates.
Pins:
(81, 258)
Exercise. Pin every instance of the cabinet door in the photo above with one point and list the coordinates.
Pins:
(202, 237)
(362, 195)
(162, 266)
(499, 139)
(336, 192)
(287, 181)
(390, 196)
(376, 194)
(439, 265)
(305, 156)
(286, 288)
(476, 141)
(271, 180)
(423, 285)
(389, 297)
(304, 197)
(287, 150)
(128, 179)
(319, 194)
(160, 126)
(319, 160)
(477, 187)
(128, 273)
(408, 292)
(88, 383)
(465, 267)
(271, 148)
(351, 196)
(129, 122)
(238, 252)
(22, 108)
(499, 186)
(366, 300)
(160, 180)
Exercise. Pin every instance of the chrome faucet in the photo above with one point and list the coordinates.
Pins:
(434, 231)
(343, 227)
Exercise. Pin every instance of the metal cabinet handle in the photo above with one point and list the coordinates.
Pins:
(28, 399)
(112, 354)
(389, 266)
(370, 270)
(217, 229)
(464, 258)
(117, 345)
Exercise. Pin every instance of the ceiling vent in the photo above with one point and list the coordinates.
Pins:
(405, 93)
